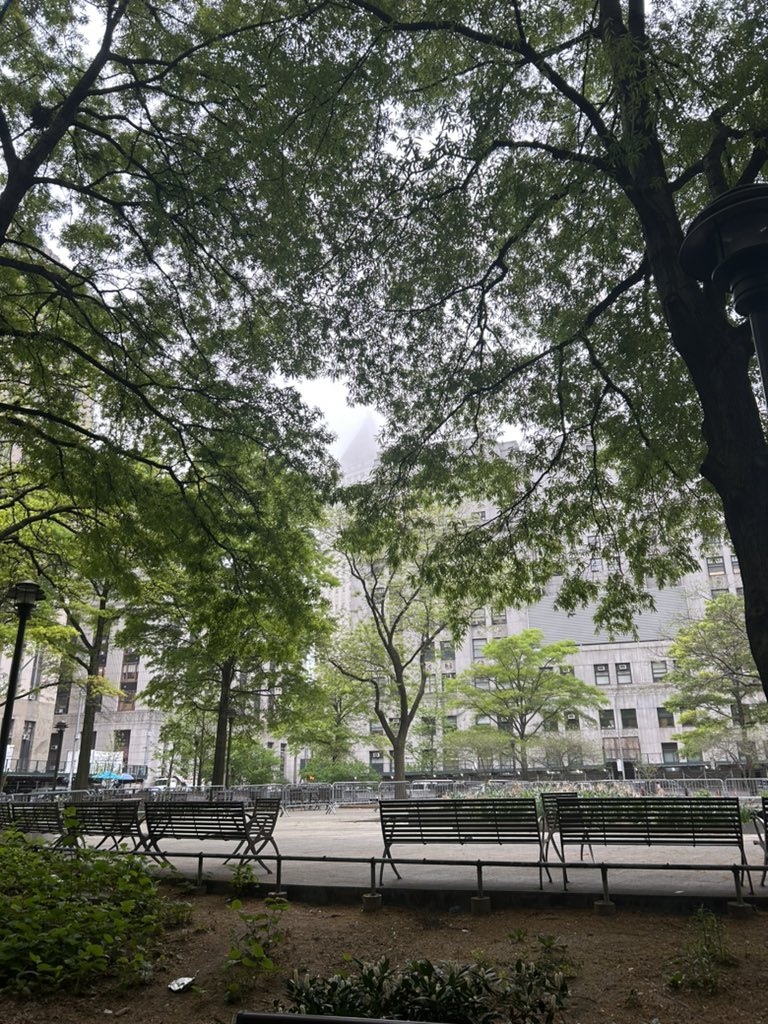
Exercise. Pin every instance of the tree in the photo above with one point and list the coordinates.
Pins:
(719, 694)
(517, 179)
(225, 626)
(399, 616)
(527, 687)
(324, 712)
(481, 748)
(143, 327)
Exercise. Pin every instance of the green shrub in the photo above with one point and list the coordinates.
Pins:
(426, 991)
(68, 916)
(252, 953)
(704, 957)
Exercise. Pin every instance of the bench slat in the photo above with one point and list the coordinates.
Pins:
(499, 821)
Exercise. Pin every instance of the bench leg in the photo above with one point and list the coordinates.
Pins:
(253, 852)
(388, 856)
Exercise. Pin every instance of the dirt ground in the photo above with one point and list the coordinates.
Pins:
(621, 966)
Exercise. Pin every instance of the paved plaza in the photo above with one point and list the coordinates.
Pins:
(659, 875)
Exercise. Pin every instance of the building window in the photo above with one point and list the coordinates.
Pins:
(63, 691)
(735, 563)
(607, 719)
(550, 724)
(129, 681)
(595, 565)
(499, 617)
(740, 591)
(481, 682)
(376, 727)
(571, 720)
(629, 718)
(567, 670)
(669, 753)
(478, 617)
(428, 652)
(121, 739)
(478, 643)
(483, 720)
(658, 670)
(602, 675)
(378, 595)
(450, 722)
(37, 676)
(25, 749)
(717, 591)
(666, 718)
(447, 650)
(623, 673)
(716, 565)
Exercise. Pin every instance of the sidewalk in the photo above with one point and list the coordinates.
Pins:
(645, 877)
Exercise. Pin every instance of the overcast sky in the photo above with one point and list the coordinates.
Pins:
(331, 398)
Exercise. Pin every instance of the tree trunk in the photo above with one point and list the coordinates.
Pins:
(92, 702)
(222, 724)
(717, 354)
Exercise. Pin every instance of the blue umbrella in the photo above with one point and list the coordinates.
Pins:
(107, 775)
(125, 777)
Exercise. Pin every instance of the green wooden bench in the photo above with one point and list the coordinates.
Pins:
(650, 821)
(36, 818)
(250, 828)
(499, 821)
(116, 822)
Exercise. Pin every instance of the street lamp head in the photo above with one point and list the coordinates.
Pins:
(60, 726)
(26, 594)
(728, 244)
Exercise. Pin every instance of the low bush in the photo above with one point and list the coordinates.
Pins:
(68, 916)
(424, 991)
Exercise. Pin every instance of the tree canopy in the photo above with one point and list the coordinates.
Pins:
(719, 696)
(500, 194)
(523, 686)
(143, 326)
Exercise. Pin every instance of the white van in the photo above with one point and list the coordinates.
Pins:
(173, 782)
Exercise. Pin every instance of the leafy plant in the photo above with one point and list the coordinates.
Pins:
(423, 990)
(263, 933)
(705, 956)
(72, 915)
(244, 879)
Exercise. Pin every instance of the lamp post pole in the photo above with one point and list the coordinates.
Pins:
(25, 596)
(727, 244)
(60, 727)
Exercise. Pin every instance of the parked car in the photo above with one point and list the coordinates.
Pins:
(174, 782)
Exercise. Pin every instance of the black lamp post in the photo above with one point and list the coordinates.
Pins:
(59, 729)
(728, 244)
(25, 596)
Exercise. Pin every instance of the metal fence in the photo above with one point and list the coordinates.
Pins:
(328, 796)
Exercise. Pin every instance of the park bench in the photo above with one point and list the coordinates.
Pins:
(500, 821)
(36, 819)
(218, 821)
(550, 819)
(759, 819)
(650, 821)
(246, 1017)
(111, 821)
